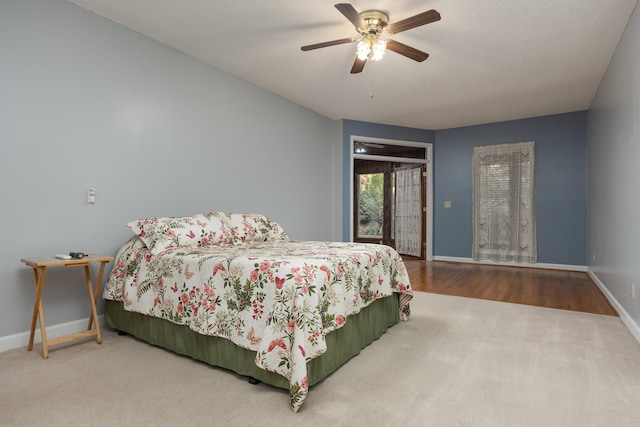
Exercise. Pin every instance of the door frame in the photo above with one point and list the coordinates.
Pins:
(428, 188)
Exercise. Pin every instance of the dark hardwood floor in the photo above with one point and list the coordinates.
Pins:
(568, 290)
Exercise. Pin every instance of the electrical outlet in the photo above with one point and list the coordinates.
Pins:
(632, 289)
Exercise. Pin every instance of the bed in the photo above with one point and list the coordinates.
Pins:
(234, 291)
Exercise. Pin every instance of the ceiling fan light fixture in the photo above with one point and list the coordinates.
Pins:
(363, 49)
(371, 48)
(379, 48)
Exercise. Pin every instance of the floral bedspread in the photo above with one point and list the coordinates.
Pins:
(276, 298)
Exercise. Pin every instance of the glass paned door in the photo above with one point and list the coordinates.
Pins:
(370, 197)
(375, 161)
(378, 216)
(409, 213)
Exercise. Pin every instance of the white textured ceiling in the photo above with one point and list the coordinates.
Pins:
(490, 60)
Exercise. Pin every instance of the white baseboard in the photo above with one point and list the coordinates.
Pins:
(545, 266)
(21, 339)
(628, 321)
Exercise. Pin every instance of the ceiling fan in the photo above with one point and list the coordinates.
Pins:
(374, 29)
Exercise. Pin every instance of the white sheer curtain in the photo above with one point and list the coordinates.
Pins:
(504, 226)
(408, 212)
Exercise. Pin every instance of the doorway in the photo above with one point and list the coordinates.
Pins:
(391, 195)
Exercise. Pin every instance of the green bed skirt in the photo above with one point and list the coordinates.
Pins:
(358, 332)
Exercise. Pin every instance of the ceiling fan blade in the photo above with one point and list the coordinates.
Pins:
(408, 51)
(358, 65)
(327, 44)
(351, 14)
(414, 21)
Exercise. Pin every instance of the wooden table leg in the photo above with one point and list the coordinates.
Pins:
(96, 293)
(92, 300)
(38, 277)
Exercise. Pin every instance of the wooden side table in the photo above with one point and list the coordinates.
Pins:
(39, 266)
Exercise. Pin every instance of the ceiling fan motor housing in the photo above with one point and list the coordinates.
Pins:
(376, 21)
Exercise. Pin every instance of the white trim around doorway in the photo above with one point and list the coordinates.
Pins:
(428, 161)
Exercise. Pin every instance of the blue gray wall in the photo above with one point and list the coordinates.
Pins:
(561, 184)
(614, 157)
(561, 180)
(85, 102)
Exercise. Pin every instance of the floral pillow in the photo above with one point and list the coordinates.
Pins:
(251, 228)
(163, 233)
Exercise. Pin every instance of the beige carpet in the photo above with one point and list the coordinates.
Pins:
(457, 362)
